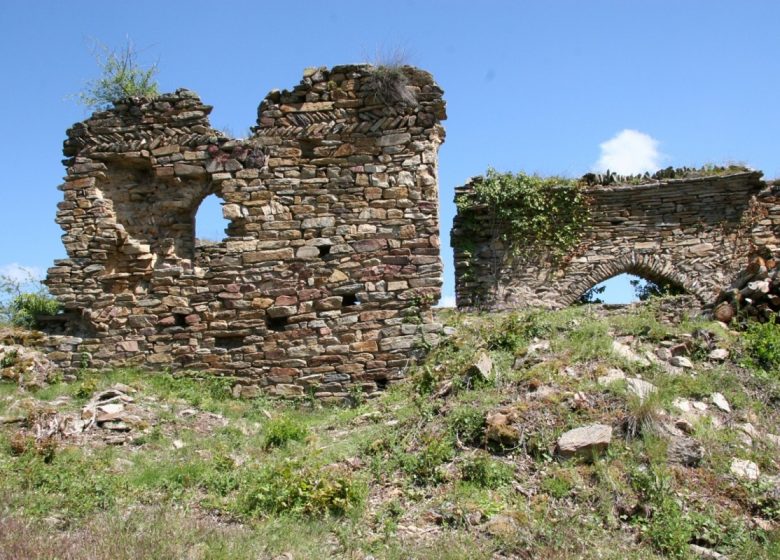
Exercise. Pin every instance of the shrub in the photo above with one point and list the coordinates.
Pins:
(26, 308)
(484, 471)
(424, 465)
(294, 488)
(531, 215)
(468, 425)
(557, 486)
(281, 430)
(762, 341)
(121, 77)
(669, 529)
(22, 298)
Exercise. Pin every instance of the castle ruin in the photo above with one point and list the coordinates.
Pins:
(330, 263)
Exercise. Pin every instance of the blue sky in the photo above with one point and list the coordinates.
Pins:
(546, 87)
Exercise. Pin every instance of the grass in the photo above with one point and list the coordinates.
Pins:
(407, 474)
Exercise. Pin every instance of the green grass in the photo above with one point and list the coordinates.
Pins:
(269, 477)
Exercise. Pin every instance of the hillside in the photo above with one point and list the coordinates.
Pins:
(674, 452)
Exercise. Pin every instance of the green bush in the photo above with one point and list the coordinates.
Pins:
(762, 342)
(121, 77)
(669, 529)
(294, 488)
(467, 423)
(532, 215)
(281, 430)
(26, 308)
(424, 465)
(557, 486)
(482, 470)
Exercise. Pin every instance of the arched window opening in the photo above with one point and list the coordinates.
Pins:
(210, 225)
(628, 288)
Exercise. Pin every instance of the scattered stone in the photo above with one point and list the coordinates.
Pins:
(542, 392)
(702, 552)
(586, 441)
(499, 431)
(720, 401)
(625, 352)
(684, 425)
(719, 354)
(500, 525)
(685, 451)
(724, 312)
(611, 376)
(481, 368)
(683, 405)
(773, 439)
(178, 444)
(681, 362)
(640, 388)
(743, 468)
(538, 347)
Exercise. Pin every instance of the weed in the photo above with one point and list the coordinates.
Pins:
(87, 388)
(281, 430)
(292, 487)
(762, 343)
(467, 424)
(424, 465)
(557, 486)
(486, 472)
(642, 414)
(668, 529)
(9, 358)
(389, 85)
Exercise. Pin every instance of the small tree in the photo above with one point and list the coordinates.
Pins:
(121, 77)
(23, 298)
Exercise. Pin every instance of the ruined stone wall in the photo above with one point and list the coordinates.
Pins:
(331, 260)
(696, 233)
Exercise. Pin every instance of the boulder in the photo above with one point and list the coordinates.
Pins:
(586, 441)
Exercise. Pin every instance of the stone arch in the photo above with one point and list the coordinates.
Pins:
(210, 209)
(152, 213)
(647, 266)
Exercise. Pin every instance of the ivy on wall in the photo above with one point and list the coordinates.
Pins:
(531, 215)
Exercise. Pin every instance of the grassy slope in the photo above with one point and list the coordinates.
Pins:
(409, 474)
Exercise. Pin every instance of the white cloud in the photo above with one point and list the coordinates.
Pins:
(629, 152)
(447, 301)
(21, 274)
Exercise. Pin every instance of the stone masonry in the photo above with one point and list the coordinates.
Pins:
(696, 233)
(330, 263)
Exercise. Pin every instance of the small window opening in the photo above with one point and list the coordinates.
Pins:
(180, 319)
(324, 250)
(210, 224)
(350, 300)
(228, 342)
(381, 383)
(276, 323)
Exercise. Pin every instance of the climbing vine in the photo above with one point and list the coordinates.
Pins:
(531, 215)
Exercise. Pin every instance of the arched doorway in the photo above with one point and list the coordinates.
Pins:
(649, 274)
(628, 288)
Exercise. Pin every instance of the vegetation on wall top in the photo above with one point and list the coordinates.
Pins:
(612, 178)
(121, 76)
(531, 215)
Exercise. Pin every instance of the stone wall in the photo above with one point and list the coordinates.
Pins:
(330, 265)
(696, 233)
